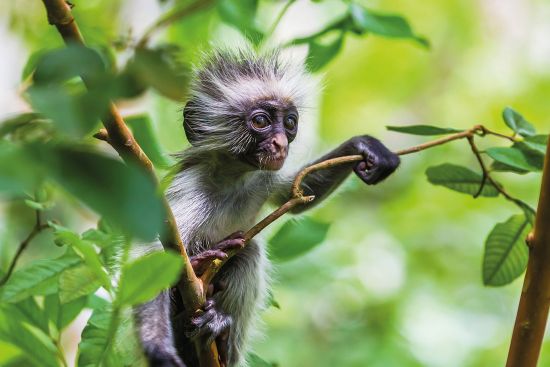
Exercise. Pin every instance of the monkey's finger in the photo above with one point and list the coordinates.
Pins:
(208, 256)
(370, 177)
(238, 234)
(200, 321)
(230, 244)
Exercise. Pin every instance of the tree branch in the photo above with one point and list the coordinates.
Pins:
(535, 296)
(298, 198)
(173, 16)
(122, 140)
(36, 229)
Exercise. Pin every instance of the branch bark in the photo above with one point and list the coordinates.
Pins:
(36, 229)
(534, 302)
(122, 140)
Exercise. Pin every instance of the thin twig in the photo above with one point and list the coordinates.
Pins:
(252, 232)
(279, 17)
(297, 197)
(173, 16)
(36, 229)
(487, 175)
(484, 170)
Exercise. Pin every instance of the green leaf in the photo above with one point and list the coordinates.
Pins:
(77, 282)
(87, 252)
(517, 158)
(426, 130)
(143, 279)
(295, 238)
(39, 206)
(30, 65)
(29, 311)
(142, 128)
(18, 172)
(36, 346)
(69, 311)
(107, 186)
(69, 62)
(459, 178)
(393, 26)
(271, 301)
(501, 167)
(537, 143)
(74, 113)
(255, 360)
(529, 212)
(321, 53)
(161, 69)
(56, 92)
(11, 124)
(241, 15)
(62, 314)
(96, 347)
(517, 122)
(506, 253)
(39, 278)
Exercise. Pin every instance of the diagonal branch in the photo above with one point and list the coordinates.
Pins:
(297, 197)
(36, 229)
(122, 140)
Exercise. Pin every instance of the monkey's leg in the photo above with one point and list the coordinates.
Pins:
(155, 332)
(234, 306)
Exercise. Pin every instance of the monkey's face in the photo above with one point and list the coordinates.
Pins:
(273, 125)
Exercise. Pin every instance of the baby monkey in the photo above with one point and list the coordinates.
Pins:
(241, 117)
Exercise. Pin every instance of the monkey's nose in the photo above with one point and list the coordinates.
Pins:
(279, 142)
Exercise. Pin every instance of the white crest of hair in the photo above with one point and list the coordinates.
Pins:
(227, 80)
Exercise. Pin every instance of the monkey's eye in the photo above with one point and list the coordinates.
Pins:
(260, 121)
(290, 122)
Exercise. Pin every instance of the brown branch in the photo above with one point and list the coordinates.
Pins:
(122, 140)
(297, 197)
(173, 16)
(487, 175)
(535, 296)
(36, 229)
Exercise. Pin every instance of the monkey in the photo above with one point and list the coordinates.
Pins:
(240, 119)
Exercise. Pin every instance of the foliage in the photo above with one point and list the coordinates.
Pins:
(50, 163)
(505, 256)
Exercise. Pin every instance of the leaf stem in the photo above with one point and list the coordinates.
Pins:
(36, 229)
(172, 16)
(280, 17)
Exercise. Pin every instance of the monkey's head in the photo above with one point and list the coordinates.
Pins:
(246, 105)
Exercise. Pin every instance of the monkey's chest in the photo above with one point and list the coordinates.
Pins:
(204, 219)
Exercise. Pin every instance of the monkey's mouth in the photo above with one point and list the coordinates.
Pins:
(271, 162)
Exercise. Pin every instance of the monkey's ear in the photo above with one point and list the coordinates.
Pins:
(189, 122)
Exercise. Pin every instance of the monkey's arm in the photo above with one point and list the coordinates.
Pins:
(379, 162)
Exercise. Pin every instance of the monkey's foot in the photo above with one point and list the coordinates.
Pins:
(201, 261)
(210, 324)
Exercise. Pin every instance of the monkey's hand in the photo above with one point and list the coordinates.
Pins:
(201, 261)
(378, 163)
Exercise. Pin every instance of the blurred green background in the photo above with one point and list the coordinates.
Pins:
(398, 280)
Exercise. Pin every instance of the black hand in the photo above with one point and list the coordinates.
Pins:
(379, 162)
